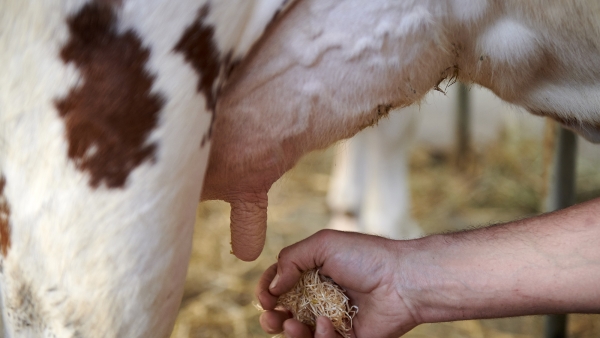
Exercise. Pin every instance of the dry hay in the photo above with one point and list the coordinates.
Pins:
(316, 295)
(502, 182)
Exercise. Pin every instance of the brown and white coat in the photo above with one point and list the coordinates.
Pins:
(106, 109)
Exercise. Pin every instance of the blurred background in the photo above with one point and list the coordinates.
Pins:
(501, 176)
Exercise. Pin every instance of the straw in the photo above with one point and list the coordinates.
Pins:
(316, 295)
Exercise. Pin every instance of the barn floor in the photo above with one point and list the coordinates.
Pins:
(497, 186)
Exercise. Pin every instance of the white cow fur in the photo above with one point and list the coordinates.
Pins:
(99, 262)
(110, 263)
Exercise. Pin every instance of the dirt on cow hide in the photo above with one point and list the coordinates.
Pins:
(503, 182)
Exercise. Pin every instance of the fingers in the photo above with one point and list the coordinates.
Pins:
(295, 329)
(294, 260)
(266, 299)
(325, 328)
(282, 276)
(272, 321)
(248, 225)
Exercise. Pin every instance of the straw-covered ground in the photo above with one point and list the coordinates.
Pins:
(504, 181)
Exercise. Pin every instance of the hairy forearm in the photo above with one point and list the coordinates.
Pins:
(545, 264)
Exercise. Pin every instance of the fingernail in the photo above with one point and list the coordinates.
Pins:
(269, 329)
(274, 282)
(320, 328)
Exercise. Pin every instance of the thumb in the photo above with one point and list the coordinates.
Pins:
(293, 260)
(248, 225)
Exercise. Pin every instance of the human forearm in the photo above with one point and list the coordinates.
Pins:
(546, 264)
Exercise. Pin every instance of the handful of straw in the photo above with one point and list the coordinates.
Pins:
(316, 295)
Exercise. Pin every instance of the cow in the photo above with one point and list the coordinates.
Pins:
(328, 69)
(106, 109)
(110, 109)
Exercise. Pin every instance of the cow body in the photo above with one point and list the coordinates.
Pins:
(106, 110)
(105, 116)
(328, 69)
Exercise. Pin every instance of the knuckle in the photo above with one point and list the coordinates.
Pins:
(324, 236)
(283, 254)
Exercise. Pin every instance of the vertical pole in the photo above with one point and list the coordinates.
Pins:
(561, 194)
(463, 126)
(555, 326)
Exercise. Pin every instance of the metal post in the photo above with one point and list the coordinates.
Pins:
(555, 326)
(463, 124)
(561, 194)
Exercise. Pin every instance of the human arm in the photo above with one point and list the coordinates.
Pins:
(544, 264)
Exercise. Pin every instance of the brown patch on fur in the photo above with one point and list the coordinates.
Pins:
(114, 3)
(110, 115)
(4, 219)
(199, 49)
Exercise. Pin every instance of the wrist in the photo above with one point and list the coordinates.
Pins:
(415, 277)
(438, 282)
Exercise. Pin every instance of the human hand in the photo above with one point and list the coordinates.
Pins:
(367, 267)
